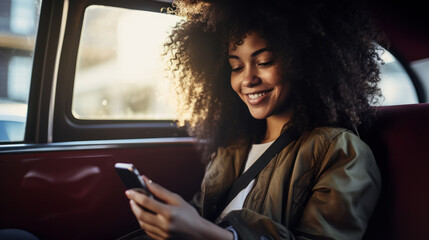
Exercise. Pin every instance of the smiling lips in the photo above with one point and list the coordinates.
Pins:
(256, 98)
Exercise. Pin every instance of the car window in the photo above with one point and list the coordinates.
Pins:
(421, 68)
(18, 28)
(396, 85)
(119, 73)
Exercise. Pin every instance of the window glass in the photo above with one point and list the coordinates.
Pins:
(396, 85)
(119, 72)
(18, 27)
(421, 68)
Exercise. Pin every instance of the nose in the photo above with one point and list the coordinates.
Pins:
(250, 77)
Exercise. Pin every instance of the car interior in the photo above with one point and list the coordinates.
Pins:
(71, 107)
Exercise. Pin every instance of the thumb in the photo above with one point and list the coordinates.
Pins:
(160, 192)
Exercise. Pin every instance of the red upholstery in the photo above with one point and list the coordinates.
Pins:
(399, 140)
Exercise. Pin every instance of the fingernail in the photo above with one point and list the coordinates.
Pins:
(147, 179)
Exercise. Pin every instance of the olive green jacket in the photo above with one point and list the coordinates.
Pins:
(324, 185)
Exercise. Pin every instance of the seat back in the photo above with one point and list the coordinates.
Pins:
(399, 140)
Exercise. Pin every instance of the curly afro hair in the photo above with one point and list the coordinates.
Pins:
(328, 50)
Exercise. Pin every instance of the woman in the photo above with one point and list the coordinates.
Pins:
(247, 72)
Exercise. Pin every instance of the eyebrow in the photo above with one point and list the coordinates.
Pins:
(254, 54)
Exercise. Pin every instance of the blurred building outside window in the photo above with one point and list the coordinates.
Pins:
(120, 71)
(18, 27)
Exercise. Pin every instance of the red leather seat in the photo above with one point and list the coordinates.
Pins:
(399, 139)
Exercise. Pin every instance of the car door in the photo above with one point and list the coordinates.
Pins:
(57, 180)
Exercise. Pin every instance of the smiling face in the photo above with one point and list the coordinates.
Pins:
(256, 77)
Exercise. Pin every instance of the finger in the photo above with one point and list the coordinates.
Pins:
(153, 231)
(147, 221)
(146, 202)
(155, 237)
(144, 216)
(161, 192)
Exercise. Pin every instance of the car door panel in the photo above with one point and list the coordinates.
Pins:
(74, 192)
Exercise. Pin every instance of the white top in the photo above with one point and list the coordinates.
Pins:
(256, 150)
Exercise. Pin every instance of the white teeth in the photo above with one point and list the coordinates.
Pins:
(257, 95)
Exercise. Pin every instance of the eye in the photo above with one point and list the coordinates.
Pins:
(265, 64)
(236, 69)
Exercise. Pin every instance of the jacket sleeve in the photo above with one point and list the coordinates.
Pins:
(342, 200)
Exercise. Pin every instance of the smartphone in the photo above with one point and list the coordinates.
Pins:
(131, 178)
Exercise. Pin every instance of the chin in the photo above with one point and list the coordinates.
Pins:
(259, 116)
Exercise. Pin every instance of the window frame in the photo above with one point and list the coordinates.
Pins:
(42, 71)
(68, 128)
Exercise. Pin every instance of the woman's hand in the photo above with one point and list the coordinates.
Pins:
(173, 218)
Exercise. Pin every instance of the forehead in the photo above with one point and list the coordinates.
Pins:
(252, 42)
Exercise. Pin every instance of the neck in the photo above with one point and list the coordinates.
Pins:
(275, 125)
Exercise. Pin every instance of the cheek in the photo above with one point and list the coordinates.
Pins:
(276, 77)
(281, 84)
(284, 95)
